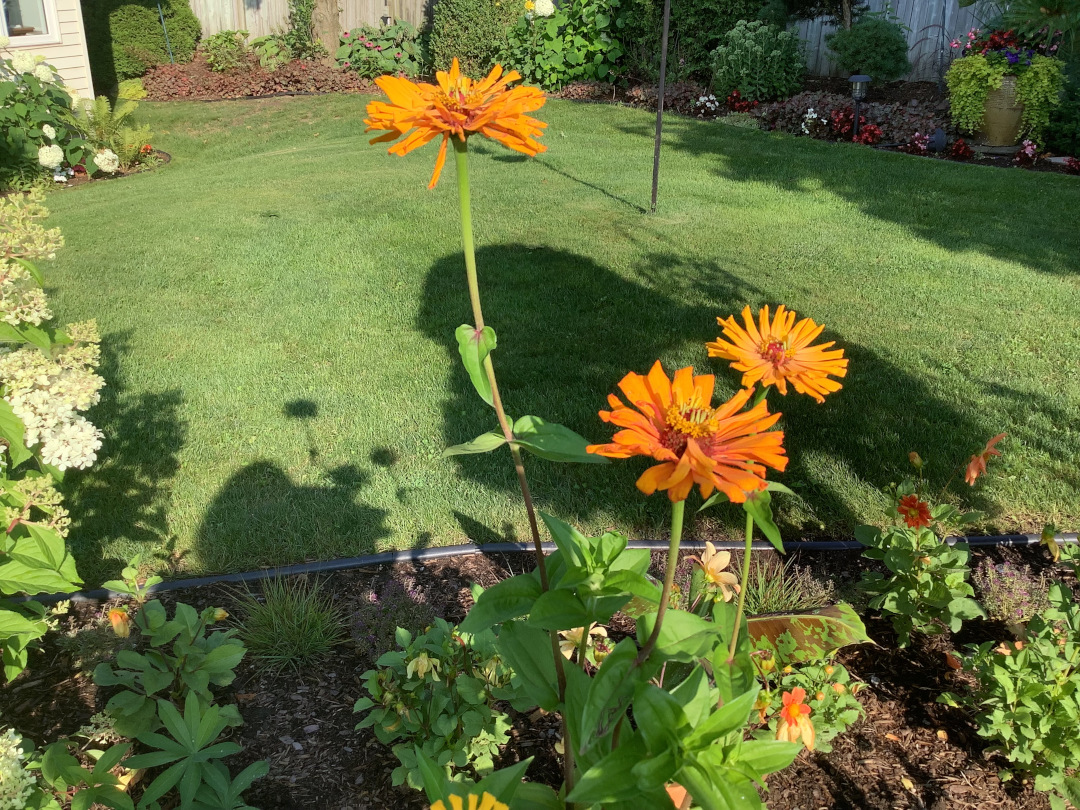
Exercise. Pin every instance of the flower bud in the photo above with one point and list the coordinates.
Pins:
(915, 459)
(839, 688)
(819, 696)
(220, 614)
(121, 621)
(829, 670)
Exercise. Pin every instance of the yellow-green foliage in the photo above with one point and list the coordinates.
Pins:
(970, 81)
(1039, 89)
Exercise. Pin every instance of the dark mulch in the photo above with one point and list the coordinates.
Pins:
(909, 752)
(195, 81)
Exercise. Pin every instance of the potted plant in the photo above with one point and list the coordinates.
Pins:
(1003, 88)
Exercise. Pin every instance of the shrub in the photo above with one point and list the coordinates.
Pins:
(1063, 131)
(575, 42)
(830, 695)
(36, 132)
(124, 37)
(272, 51)
(373, 51)
(131, 89)
(226, 50)
(874, 46)
(760, 61)
(1011, 593)
(474, 31)
(300, 39)
(292, 627)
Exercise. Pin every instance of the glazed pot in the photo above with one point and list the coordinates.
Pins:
(1001, 121)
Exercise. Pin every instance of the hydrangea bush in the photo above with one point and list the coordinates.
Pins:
(47, 380)
(36, 132)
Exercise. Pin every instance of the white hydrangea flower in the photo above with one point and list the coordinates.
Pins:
(72, 444)
(544, 8)
(48, 131)
(4, 41)
(23, 62)
(50, 156)
(16, 784)
(21, 299)
(43, 73)
(107, 161)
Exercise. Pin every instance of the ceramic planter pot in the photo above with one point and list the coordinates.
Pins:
(1001, 121)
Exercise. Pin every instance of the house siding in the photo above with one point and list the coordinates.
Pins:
(68, 56)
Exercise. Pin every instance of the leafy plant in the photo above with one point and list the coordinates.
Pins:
(294, 626)
(1011, 593)
(190, 752)
(184, 658)
(831, 692)
(300, 38)
(125, 38)
(437, 694)
(473, 31)
(760, 61)
(928, 590)
(101, 121)
(63, 773)
(577, 42)
(226, 50)
(271, 50)
(131, 89)
(873, 45)
(1027, 698)
(1062, 134)
(373, 51)
(1039, 82)
(133, 582)
(811, 635)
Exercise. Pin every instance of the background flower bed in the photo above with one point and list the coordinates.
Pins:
(195, 80)
(909, 752)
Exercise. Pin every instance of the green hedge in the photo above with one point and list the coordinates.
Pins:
(124, 37)
(475, 31)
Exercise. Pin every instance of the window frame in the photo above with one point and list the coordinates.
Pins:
(34, 40)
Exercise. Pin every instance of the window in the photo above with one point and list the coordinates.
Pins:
(30, 22)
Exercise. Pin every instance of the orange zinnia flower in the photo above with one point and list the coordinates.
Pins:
(675, 423)
(779, 350)
(795, 722)
(916, 513)
(977, 465)
(457, 107)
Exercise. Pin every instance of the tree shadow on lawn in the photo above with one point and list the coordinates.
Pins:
(125, 495)
(569, 330)
(945, 204)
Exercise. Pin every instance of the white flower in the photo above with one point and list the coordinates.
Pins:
(21, 299)
(107, 161)
(44, 73)
(50, 156)
(23, 62)
(4, 41)
(544, 8)
(16, 784)
(48, 131)
(72, 444)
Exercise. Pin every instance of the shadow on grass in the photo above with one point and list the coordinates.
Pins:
(569, 330)
(953, 206)
(125, 495)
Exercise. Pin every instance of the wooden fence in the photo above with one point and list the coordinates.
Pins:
(931, 25)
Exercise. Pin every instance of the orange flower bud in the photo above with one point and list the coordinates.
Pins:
(220, 614)
(819, 696)
(121, 621)
(839, 688)
(829, 670)
(915, 459)
(788, 669)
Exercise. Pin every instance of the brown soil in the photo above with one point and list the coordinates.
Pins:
(909, 751)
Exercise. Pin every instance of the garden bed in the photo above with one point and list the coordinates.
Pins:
(908, 752)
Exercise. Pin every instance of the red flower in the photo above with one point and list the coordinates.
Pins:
(915, 512)
(795, 719)
(977, 465)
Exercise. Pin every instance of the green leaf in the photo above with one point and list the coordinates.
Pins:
(572, 543)
(796, 638)
(559, 610)
(768, 756)
(758, 507)
(659, 718)
(683, 636)
(484, 443)
(474, 347)
(553, 442)
(965, 608)
(729, 718)
(505, 600)
(535, 796)
(13, 431)
(611, 779)
(611, 690)
(527, 650)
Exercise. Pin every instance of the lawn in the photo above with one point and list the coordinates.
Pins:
(278, 305)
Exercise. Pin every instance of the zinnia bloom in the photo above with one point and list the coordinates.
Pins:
(571, 639)
(457, 107)
(977, 465)
(674, 422)
(482, 802)
(795, 722)
(915, 512)
(713, 563)
(778, 351)
(120, 621)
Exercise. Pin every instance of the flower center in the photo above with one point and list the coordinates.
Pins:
(774, 351)
(687, 420)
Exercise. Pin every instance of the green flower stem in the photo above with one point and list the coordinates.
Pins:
(677, 510)
(461, 157)
(742, 586)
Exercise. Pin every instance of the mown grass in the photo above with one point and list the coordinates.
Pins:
(279, 305)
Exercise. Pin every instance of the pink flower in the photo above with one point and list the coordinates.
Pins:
(346, 64)
(378, 47)
(345, 35)
(954, 44)
(397, 55)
